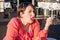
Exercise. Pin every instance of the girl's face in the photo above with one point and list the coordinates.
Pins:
(28, 14)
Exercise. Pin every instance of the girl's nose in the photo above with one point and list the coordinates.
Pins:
(33, 14)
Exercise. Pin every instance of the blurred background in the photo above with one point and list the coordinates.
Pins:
(44, 9)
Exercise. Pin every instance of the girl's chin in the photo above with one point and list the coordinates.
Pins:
(31, 21)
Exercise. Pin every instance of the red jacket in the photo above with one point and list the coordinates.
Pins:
(15, 31)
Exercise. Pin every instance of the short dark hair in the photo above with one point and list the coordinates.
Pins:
(23, 6)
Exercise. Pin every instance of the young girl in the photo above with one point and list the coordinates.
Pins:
(25, 27)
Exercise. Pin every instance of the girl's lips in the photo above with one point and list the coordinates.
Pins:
(32, 18)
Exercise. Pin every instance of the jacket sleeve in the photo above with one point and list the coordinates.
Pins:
(43, 34)
(12, 30)
(36, 28)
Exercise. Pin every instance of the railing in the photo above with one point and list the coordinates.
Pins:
(51, 7)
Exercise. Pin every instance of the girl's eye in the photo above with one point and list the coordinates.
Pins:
(34, 11)
(29, 11)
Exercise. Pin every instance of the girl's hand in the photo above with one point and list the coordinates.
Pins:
(48, 23)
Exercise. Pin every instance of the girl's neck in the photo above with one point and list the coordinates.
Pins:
(24, 22)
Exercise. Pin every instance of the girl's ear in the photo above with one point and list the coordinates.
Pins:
(21, 14)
